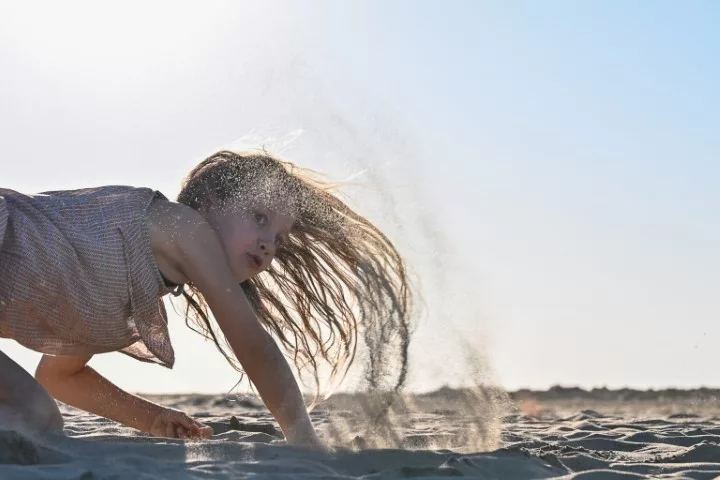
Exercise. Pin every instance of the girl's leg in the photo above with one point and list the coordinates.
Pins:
(24, 403)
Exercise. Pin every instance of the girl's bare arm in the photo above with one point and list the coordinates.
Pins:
(202, 260)
(70, 380)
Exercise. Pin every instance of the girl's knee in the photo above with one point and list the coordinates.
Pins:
(35, 410)
(55, 422)
(24, 403)
(44, 413)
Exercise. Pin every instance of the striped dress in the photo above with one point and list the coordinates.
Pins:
(78, 275)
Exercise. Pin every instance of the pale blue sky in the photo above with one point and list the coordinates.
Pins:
(549, 168)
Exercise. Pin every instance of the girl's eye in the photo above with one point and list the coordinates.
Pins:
(261, 219)
(278, 241)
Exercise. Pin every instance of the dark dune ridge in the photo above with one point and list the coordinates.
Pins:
(702, 395)
(620, 395)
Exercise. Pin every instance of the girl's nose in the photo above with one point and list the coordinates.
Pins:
(267, 247)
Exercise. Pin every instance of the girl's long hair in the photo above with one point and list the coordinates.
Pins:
(336, 276)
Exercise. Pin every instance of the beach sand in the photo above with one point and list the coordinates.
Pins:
(561, 433)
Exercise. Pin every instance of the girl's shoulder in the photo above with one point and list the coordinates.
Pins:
(99, 192)
(103, 201)
(102, 196)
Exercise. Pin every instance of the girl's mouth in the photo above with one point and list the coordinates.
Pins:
(255, 261)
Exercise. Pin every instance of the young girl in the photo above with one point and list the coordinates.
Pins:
(271, 251)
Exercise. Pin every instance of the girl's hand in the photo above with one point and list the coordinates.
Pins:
(171, 423)
(311, 442)
(306, 438)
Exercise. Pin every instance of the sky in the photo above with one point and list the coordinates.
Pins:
(548, 169)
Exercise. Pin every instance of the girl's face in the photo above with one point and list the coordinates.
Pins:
(250, 237)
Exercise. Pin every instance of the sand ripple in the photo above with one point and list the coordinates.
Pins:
(584, 444)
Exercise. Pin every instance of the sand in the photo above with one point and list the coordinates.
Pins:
(563, 433)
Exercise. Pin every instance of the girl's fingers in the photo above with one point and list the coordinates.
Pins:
(182, 426)
(186, 422)
(201, 430)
